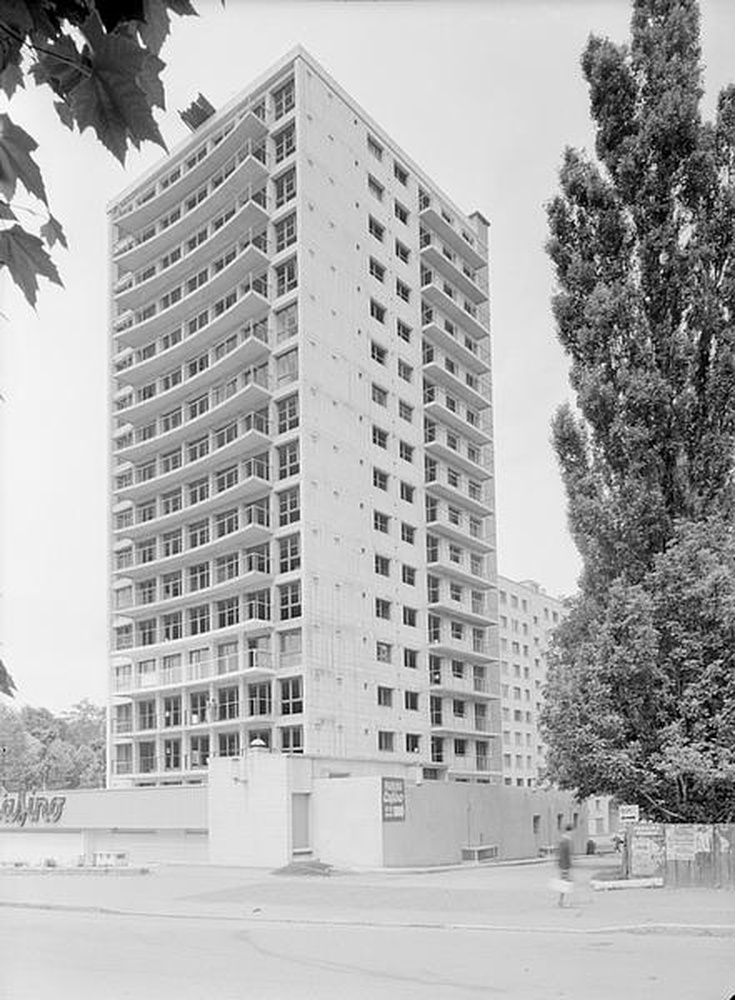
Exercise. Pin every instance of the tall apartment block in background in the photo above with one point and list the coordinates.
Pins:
(302, 529)
(526, 617)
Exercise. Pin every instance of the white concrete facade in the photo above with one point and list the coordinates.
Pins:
(526, 617)
(302, 525)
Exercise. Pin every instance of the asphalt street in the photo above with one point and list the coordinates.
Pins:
(85, 956)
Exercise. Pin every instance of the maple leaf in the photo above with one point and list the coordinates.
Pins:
(16, 163)
(65, 113)
(25, 257)
(60, 66)
(154, 25)
(11, 78)
(7, 684)
(112, 100)
(53, 232)
(6, 212)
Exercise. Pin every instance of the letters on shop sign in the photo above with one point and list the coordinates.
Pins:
(22, 808)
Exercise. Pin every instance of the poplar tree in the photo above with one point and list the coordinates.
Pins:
(642, 238)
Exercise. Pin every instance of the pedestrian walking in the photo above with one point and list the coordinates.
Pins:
(564, 860)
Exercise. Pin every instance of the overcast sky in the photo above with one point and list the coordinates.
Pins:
(483, 95)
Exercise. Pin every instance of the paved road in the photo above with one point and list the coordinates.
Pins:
(82, 956)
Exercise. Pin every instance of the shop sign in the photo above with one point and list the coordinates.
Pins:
(24, 808)
(680, 843)
(394, 800)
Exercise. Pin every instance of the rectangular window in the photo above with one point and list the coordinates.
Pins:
(400, 174)
(288, 413)
(172, 543)
(408, 533)
(225, 523)
(405, 371)
(171, 585)
(284, 143)
(289, 508)
(290, 600)
(285, 187)
(380, 436)
(283, 99)
(288, 459)
(408, 575)
(197, 449)
(385, 697)
(408, 492)
(406, 450)
(377, 311)
(285, 230)
(382, 608)
(375, 148)
(292, 739)
(411, 700)
(381, 522)
(378, 352)
(292, 698)
(375, 187)
(198, 491)
(403, 330)
(405, 410)
(401, 212)
(386, 741)
(410, 658)
(198, 577)
(289, 549)
(402, 252)
(410, 616)
(227, 567)
(229, 744)
(172, 626)
(287, 367)
(383, 652)
(199, 620)
(380, 479)
(225, 479)
(287, 323)
(402, 290)
(228, 612)
(198, 534)
(375, 229)
(376, 269)
(286, 276)
(382, 565)
(171, 502)
(379, 395)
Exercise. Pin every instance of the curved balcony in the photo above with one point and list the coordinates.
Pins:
(438, 409)
(203, 670)
(436, 448)
(464, 534)
(142, 529)
(436, 254)
(221, 406)
(165, 192)
(438, 372)
(244, 218)
(446, 335)
(251, 532)
(243, 172)
(251, 346)
(247, 256)
(464, 649)
(252, 579)
(244, 444)
(434, 216)
(450, 303)
(456, 497)
(455, 609)
(461, 572)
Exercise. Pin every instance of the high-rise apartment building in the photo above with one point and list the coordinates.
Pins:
(302, 530)
(526, 617)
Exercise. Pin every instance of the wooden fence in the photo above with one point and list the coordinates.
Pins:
(683, 854)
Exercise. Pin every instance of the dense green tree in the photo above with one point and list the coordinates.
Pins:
(643, 243)
(100, 59)
(43, 750)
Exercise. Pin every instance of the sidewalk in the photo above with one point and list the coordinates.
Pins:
(482, 898)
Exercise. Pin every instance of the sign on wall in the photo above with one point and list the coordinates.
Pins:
(23, 808)
(628, 814)
(394, 799)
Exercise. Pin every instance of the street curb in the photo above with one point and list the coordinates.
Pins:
(602, 885)
(691, 930)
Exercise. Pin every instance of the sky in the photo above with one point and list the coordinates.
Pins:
(484, 95)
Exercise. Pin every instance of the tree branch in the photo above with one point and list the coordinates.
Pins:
(40, 48)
